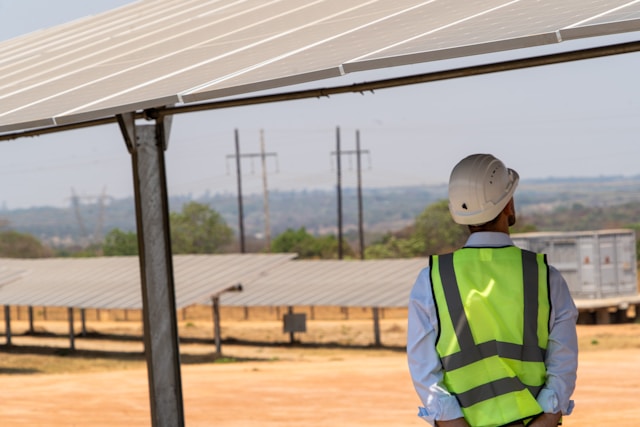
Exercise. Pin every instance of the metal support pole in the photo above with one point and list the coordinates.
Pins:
(292, 338)
(31, 328)
(215, 302)
(215, 306)
(376, 327)
(83, 319)
(339, 188)
(72, 342)
(7, 323)
(147, 144)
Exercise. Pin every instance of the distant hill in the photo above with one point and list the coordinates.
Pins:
(546, 194)
(385, 209)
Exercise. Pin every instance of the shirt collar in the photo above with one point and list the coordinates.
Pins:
(491, 239)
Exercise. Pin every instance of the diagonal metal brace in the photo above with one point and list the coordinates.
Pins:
(127, 123)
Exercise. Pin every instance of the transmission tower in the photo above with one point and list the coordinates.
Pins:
(77, 203)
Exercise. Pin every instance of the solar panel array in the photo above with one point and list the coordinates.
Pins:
(114, 282)
(370, 283)
(267, 280)
(154, 53)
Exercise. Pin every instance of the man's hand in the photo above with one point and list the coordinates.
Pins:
(458, 422)
(546, 420)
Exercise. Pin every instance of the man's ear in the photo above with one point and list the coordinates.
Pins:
(510, 211)
(510, 208)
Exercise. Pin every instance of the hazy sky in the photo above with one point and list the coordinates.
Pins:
(576, 119)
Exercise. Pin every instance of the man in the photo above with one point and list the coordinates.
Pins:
(491, 331)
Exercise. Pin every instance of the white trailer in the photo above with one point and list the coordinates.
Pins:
(599, 266)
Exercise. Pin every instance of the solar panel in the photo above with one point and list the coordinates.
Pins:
(114, 282)
(154, 53)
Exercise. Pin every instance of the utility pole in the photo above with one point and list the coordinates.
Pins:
(239, 179)
(357, 152)
(339, 188)
(360, 219)
(265, 194)
(263, 156)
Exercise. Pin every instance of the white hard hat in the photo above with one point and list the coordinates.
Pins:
(480, 187)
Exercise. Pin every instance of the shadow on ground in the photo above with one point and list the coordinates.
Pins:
(185, 358)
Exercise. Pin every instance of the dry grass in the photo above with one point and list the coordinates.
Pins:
(608, 337)
(113, 346)
(118, 345)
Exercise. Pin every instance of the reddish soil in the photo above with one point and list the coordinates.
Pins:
(298, 387)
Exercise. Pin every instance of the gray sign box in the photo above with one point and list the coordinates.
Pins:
(295, 322)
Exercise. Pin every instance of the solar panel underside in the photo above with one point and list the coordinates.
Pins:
(114, 282)
(154, 53)
(267, 280)
(371, 283)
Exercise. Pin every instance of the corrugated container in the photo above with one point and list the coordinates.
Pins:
(595, 264)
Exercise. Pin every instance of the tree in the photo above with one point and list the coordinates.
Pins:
(308, 246)
(120, 243)
(435, 227)
(434, 232)
(21, 245)
(395, 247)
(198, 229)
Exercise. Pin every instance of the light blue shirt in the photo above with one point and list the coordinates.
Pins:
(425, 367)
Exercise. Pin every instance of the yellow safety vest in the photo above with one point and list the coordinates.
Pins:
(493, 310)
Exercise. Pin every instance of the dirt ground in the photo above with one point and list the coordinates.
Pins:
(274, 385)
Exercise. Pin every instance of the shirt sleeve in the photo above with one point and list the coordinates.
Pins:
(562, 350)
(424, 363)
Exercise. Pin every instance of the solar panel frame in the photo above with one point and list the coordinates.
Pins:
(596, 30)
(543, 29)
(156, 53)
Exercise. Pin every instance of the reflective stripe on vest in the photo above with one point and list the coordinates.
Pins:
(531, 349)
